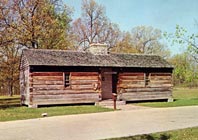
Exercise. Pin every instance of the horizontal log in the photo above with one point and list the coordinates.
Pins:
(81, 87)
(129, 82)
(68, 98)
(53, 96)
(51, 102)
(159, 85)
(84, 77)
(62, 102)
(131, 74)
(84, 74)
(148, 89)
(46, 74)
(131, 78)
(83, 82)
(63, 91)
(140, 97)
(48, 78)
(125, 86)
(56, 87)
(160, 74)
(146, 95)
(48, 86)
(143, 98)
(160, 78)
(39, 82)
(160, 82)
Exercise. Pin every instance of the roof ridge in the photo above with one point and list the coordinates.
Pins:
(141, 54)
(59, 50)
(54, 50)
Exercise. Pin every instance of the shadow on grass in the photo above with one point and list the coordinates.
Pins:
(147, 101)
(150, 137)
(145, 137)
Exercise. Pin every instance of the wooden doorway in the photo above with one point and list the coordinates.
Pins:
(106, 83)
(114, 82)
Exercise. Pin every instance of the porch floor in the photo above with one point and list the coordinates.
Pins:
(110, 102)
(120, 105)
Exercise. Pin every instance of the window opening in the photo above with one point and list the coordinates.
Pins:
(147, 79)
(67, 79)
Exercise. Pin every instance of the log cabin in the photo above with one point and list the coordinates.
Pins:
(50, 77)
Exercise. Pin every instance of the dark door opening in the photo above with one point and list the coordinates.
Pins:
(114, 83)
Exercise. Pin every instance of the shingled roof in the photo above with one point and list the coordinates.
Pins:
(71, 58)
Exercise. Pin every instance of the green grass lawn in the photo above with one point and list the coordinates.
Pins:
(185, 93)
(182, 134)
(22, 113)
(182, 97)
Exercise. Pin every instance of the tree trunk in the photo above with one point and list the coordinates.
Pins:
(10, 89)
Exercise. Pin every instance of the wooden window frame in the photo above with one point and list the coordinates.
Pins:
(66, 81)
(146, 79)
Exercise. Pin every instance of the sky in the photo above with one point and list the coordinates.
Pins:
(161, 14)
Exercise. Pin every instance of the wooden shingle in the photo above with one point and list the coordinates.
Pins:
(71, 58)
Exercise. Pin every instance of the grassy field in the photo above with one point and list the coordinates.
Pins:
(182, 134)
(185, 93)
(182, 97)
(22, 113)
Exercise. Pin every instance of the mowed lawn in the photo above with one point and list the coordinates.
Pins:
(22, 113)
(182, 134)
(182, 97)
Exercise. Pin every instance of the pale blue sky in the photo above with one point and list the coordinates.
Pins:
(162, 14)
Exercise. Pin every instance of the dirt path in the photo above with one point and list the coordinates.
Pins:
(101, 125)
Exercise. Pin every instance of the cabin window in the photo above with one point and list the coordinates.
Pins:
(147, 80)
(66, 79)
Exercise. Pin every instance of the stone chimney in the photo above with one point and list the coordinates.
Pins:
(98, 49)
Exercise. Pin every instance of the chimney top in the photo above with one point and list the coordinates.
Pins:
(98, 49)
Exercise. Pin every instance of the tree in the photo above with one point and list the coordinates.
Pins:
(94, 26)
(182, 37)
(185, 70)
(36, 23)
(29, 24)
(124, 44)
(147, 40)
(9, 65)
(9, 53)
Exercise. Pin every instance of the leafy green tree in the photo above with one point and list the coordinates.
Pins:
(29, 24)
(183, 38)
(36, 23)
(185, 70)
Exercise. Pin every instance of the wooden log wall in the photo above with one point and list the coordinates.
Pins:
(142, 86)
(131, 80)
(84, 81)
(48, 88)
(160, 80)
